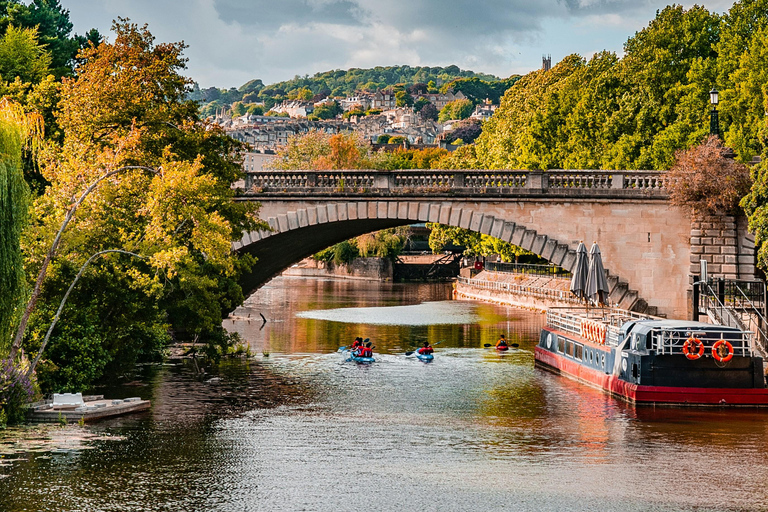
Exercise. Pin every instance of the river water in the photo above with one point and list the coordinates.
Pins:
(300, 429)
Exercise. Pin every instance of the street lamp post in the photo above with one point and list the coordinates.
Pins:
(714, 123)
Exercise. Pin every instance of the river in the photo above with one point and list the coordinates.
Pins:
(297, 428)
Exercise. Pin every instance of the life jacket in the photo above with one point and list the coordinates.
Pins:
(425, 350)
(501, 343)
(365, 352)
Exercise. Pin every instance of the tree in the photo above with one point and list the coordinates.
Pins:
(328, 110)
(706, 181)
(420, 104)
(403, 99)
(429, 112)
(16, 129)
(22, 56)
(383, 138)
(455, 110)
(128, 105)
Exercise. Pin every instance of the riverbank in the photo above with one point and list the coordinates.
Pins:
(371, 269)
(513, 289)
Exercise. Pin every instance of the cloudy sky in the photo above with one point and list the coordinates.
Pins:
(233, 41)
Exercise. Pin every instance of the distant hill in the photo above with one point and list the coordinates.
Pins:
(338, 83)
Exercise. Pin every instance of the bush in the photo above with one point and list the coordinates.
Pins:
(705, 180)
(16, 390)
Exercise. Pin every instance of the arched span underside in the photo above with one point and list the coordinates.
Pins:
(297, 234)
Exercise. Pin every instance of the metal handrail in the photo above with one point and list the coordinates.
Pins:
(527, 268)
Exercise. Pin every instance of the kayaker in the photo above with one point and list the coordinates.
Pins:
(357, 343)
(502, 342)
(426, 349)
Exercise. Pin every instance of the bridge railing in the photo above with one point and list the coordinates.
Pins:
(527, 268)
(443, 181)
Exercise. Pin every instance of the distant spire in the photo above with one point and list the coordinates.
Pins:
(546, 62)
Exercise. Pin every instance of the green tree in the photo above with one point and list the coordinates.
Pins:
(127, 106)
(327, 110)
(16, 129)
(403, 99)
(22, 56)
(455, 110)
(420, 104)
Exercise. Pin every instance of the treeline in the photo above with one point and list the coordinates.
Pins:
(343, 83)
(634, 112)
(151, 242)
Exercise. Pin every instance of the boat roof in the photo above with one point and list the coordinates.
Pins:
(644, 326)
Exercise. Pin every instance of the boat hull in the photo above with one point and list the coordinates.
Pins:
(502, 348)
(351, 358)
(425, 357)
(602, 377)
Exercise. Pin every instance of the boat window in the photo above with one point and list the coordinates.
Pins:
(635, 372)
(569, 347)
(577, 351)
(602, 361)
(591, 355)
(560, 344)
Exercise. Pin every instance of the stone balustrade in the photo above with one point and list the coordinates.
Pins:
(464, 181)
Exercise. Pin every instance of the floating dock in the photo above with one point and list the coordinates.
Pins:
(88, 408)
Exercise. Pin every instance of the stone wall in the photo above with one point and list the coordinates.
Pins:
(724, 242)
(378, 269)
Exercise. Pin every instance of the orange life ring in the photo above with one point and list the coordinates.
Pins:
(601, 335)
(716, 351)
(691, 352)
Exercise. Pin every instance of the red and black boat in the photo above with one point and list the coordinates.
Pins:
(653, 361)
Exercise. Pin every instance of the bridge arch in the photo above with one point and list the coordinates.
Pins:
(300, 230)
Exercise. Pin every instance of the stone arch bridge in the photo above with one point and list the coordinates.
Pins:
(650, 248)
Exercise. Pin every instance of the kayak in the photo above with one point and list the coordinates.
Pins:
(502, 348)
(425, 357)
(359, 359)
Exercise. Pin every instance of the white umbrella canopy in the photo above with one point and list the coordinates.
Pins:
(597, 284)
(579, 272)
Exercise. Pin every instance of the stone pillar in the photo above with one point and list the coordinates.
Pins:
(536, 180)
(714, 238)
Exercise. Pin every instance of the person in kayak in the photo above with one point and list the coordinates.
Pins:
(357, 343)
(502, 342)
(426, 349)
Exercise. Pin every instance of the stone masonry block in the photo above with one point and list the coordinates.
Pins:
(517, 237)
(272, 221)
(487, 224)
(434, 213)
(727, 249)
(413, 211)
(549, 249)
(507, 231)
(373, 210)
(695, 240)
(352, 211)
(445, 214)
(729, 269)
(466, 217)
(362, 210)
(423, 212)
(570, 260)
(455, 217)
(706, 240)
(282, 222)
(559, 255)
(402, 210)
(322, 214)
(477, 219)
(696, 232)
(392, 210)
(498, 226)
(341, 212)
(528, 237)
(333, 212)
(697, 249)
(303, 218)
(711, 250)
(538, 245)
(293, 220)
(718, 258)
(731, 259)
(312, 215)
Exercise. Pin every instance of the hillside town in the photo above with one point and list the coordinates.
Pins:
(375, 116)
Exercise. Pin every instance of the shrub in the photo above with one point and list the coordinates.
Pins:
(16, 390)
(705, 180)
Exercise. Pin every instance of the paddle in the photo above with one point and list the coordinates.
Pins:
(513, 345)
(412, 351)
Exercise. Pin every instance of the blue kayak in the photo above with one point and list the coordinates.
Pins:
(359, 359)
(425, 357)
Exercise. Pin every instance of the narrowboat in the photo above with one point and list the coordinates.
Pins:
(655, 361)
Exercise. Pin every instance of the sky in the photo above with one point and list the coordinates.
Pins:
(233, 41)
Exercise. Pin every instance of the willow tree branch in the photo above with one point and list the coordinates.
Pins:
(17, 341)
(64, 301)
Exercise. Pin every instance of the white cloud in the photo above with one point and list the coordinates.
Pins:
(233, 41)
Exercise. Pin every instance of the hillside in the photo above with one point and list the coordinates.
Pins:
(337, 83)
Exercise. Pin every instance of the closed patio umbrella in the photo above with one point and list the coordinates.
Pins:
(597, 284)
(580, 270)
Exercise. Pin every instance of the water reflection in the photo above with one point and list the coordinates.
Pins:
(474, 430)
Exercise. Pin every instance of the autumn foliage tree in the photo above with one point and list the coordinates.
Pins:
(127, 107)
(706, 180)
